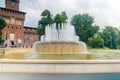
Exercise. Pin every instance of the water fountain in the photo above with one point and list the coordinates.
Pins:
(60, 40)
(58, 43)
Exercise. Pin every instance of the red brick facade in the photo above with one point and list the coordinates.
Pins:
(12, 4)
(30, 36)
(15, 33)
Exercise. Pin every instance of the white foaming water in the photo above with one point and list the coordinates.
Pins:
(63, 33)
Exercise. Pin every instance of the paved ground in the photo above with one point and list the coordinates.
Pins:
(21, 76)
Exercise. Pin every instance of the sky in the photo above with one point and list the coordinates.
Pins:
(105, 12)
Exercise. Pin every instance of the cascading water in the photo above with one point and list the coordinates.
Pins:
(60, 40)
(63, 33)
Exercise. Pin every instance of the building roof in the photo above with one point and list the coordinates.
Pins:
(30, 30)
(12, 10)
(27, 27)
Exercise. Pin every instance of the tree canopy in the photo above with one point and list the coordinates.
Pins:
(2, 25)
(48, 19)
(96, 41)
(44, 21)
(60, 19)
(110, 36)
(84, 27)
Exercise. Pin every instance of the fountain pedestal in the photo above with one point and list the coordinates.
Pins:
(61, 40)
(60, 47)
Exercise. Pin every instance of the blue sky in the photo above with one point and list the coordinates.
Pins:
(105, 12)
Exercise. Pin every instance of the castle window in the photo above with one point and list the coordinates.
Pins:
(8, 26)
(11, 11)
(12, 27)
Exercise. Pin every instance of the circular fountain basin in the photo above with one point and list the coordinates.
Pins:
(60, 47)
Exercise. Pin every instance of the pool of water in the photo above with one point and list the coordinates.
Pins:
(66, 56)
(26, 76)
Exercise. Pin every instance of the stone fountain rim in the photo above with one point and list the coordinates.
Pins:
(42, 42)
(20, 61)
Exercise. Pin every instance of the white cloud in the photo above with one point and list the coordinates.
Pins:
(105, 12)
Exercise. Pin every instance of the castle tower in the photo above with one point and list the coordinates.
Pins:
(12, 4)
(13, 33)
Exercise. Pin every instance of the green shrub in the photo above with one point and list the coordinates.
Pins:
(118, 46)
(106, 48)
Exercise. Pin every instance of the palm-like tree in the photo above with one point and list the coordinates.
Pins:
(45, 20)
(60, 19)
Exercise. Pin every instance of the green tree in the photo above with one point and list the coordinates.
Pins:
(57, 20)
(60, 19)
(47, 17)
(2, 25)
(118, 39)
(110, 36)
(44, 21)
(64, 17)
(96, 41)
(84, 27)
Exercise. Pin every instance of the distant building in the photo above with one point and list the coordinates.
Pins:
(30, 36)
(15, 33)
